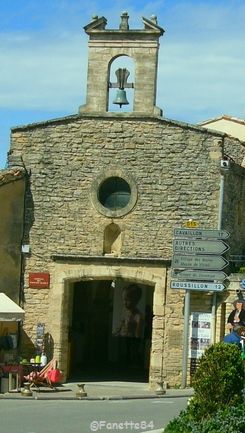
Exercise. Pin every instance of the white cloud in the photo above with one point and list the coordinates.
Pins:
(42, 74)
(194, 77)
(201, 65)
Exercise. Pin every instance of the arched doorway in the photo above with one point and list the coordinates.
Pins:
(99, 349)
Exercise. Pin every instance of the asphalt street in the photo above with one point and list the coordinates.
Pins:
(57, 416)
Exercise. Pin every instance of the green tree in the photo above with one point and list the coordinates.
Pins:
(218, 404)
(219, 379)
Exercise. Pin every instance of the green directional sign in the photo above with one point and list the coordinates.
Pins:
(199, 246)
(186, 274)
(201, 233)
(192, 285)
(205, 262)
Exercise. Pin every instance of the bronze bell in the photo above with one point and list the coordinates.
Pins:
(121, 98)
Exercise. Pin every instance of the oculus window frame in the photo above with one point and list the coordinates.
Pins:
(104, 191)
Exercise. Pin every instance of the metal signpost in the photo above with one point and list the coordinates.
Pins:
(197, 264)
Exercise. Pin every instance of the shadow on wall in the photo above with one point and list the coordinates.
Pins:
(29, 219)
(48, 346)
(28, 348)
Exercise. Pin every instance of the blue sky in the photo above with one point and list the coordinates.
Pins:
(43, 57)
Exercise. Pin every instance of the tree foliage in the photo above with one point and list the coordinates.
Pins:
(219, 379)
(218, 402)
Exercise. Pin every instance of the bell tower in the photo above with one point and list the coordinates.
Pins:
(105, 46)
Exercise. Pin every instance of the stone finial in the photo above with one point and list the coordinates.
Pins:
(154, 19)
(124, 21)
(96, 24)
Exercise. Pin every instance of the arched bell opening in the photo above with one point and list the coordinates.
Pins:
(121, 73)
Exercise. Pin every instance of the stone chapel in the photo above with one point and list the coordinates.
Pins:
(105, 189)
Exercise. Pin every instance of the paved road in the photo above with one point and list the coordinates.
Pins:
(35, 416)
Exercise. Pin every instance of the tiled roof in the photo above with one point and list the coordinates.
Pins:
(223, 117)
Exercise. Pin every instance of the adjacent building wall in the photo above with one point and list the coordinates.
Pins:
(12, 187)
(234, 208)
(230, 125)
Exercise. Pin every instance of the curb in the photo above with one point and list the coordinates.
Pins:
(107, 397)
(95, 398)
(98, 392)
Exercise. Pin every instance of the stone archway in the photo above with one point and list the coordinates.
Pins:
(66, 273)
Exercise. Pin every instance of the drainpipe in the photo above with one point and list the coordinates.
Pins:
(161, 388)
(22, 260)
(185, 338)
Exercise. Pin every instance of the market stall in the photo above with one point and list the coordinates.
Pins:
(9, 310)
(11, 315)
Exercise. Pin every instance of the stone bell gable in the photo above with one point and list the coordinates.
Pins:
(105, 46)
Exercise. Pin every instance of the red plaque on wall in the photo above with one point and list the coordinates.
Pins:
(39, 280)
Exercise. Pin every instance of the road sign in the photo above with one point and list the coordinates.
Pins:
(201, 233)
(200, 286)
(199, 246)
(191, 223)
(243, 284)
(216, 263)
(198, 275)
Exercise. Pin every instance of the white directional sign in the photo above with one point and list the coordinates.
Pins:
(199, 246)
(197, 262)
(216, 263)
(201, 233)
(200, 286)
(187, 274)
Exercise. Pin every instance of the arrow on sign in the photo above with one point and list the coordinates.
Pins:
(201, 233)
(191, 285)
(199, 246)
(216, 263)
(198, 275)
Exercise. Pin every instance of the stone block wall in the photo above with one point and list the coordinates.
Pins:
(175, 175)
(176, 169)
(234, 208)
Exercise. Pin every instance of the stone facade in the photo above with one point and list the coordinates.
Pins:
(176, 169)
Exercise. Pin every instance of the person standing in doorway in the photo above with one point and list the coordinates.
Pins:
(237, 316)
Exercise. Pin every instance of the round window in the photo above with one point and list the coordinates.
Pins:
(114, 193)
